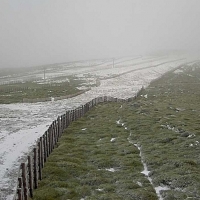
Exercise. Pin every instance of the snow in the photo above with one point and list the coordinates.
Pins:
(159, 189)
(146, 172)
(139, 183)
(111, 169)
(118, 122)
(178, 71)
(112, 139)
(22, 123)
(99, 189)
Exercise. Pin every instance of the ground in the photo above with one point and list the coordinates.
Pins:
(144, 149)
(22, 123)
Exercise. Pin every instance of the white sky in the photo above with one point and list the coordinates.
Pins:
(35, 32)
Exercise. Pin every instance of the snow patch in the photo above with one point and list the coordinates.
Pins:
(139, 183)
(111, 169)
(99, 189)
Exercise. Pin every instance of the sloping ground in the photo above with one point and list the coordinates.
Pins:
(22, 124)
(146, 149)
(95, 160)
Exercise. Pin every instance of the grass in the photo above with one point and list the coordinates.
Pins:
(16, 92)
(78, 168)
(165, 125)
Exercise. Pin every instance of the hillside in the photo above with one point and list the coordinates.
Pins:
(144, 149)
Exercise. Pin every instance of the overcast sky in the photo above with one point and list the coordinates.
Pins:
(36, 32)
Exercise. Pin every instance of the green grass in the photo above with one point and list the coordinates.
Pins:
(14, 93)
(165, 125)
(77, 168)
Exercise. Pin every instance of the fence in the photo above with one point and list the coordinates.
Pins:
(30, 172)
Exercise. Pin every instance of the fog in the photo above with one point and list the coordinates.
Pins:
(37, 32)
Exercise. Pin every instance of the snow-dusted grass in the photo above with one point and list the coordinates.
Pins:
(41, 89)
(18, 118)
(129, 153)
(98, 162)
(166, 125)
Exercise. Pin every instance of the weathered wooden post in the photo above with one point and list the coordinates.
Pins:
(45, 146)
(56, 130)
(82, 110)
(50, 139)
(42, 151)
(30, 170)
(47, 142)
(40, 160)
(20, 189)
(59, 124)
(53, 135)
(35, 171)
(66, 118)
(24, 180)
(74, 115)
(62, 124)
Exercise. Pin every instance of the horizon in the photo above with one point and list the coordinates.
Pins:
(36, 33)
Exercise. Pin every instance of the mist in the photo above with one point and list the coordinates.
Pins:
(54, 31)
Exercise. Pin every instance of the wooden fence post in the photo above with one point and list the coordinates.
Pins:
(59, 128)
(45, 146)
(69, 115)
(19, 194)
(47, 143)
(55, 131)
(65, 126)
(42, 151)
(40, 160)
(50, 139)
(35, 168)
(87, 106)
(20, 189)
(67, 118)
(53, 135)
(73, 115)
(63, 123)
(82, 110)
(77, 113)
(95, 101)
(24, 180)
(30, 170)
(92, 103)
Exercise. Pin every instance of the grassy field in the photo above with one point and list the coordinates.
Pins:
(16, 92)
(96, 158)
